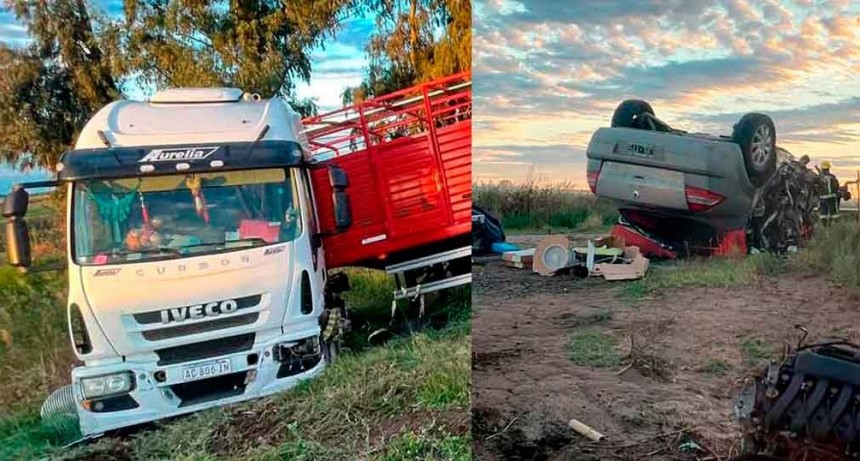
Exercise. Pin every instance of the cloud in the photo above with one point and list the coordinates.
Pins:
(541, 65)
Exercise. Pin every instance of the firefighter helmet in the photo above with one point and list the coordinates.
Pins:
(825, 165)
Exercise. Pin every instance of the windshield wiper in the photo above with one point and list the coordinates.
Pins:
(227, 243)
(161, 250)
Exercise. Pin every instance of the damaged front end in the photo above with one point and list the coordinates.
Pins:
(805, 408)
(784, 209)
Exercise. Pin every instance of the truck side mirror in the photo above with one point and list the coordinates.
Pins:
(342, 211)
(17, 234)
(16, 203)
(17, 243)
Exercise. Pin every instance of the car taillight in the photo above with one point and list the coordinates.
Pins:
(699, 199)
(592, 178)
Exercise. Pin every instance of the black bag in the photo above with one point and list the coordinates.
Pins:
(486, 230)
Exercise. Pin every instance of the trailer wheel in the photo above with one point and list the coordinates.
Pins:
(756, 136)
(628, 114)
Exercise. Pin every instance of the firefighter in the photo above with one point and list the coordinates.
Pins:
(830, 195)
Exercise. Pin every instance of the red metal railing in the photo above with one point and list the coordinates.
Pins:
(419, 109)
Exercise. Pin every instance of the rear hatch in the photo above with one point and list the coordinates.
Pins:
(673, 173)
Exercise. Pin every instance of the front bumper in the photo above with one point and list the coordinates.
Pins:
(159, 391)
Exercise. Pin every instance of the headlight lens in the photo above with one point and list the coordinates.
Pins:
(101, 386)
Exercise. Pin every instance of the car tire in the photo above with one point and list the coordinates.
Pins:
(756, 136)
(627, 114)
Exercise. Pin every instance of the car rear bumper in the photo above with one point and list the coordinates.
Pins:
(159, 391)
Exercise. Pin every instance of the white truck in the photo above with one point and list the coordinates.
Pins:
(196, 260)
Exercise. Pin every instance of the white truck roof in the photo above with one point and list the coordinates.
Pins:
(184, 116)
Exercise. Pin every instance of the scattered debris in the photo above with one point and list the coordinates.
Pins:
(805, 408)
(519, 259)
(634, 267)
(585, 430)
(553, 253)
(487, 233)
(605, 257)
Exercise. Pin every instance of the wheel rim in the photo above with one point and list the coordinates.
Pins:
(761, 147)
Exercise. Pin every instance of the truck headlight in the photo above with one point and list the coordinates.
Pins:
(100, 386)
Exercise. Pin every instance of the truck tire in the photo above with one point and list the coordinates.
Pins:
(627, 114)
(756, 136)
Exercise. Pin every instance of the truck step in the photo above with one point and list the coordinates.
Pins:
(429, 260)
(451, 282)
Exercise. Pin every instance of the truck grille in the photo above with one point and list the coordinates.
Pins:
(201, 327)
(205, 349)
(218, 323)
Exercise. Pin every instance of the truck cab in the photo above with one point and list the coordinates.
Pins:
(197, 275)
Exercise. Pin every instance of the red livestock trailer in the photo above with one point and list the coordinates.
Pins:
(407, 156)
(408, 159)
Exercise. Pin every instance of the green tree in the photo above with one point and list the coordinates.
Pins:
(48, 89)
(78, 60)
(262, 46)
(414, 41)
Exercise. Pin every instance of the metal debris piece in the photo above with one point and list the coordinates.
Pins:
(805, 408)
(784, 209)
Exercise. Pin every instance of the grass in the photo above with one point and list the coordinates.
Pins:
(755, 350)
(702, 272)
(35, 354)
(715, 367)
(408, 399)
(426, 446)
(835, 252)
(546, 208)
(593, 348)
(417, 387)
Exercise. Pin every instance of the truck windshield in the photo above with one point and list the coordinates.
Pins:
(135, 219)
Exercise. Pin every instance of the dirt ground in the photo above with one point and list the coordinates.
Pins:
(691, 347)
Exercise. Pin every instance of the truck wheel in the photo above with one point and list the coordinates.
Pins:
(756, 136)
(627, 114)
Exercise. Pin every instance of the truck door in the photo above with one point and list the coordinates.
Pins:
(319, 274)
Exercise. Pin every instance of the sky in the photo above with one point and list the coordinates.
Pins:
(341, 63)
(548, 73)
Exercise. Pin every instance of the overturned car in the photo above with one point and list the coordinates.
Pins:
(681, 193)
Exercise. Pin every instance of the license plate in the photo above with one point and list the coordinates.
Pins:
(206, 370)
(638, 149)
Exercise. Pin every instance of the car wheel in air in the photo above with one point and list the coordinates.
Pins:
(628, 114)
(756, 136)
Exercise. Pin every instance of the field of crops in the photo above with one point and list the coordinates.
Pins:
(545, 208)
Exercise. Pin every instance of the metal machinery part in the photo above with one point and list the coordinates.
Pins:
(805, 408)
(784, 209)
